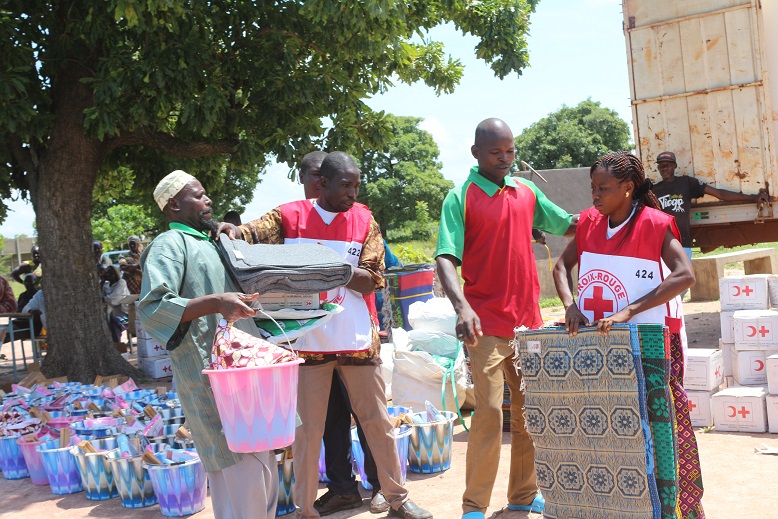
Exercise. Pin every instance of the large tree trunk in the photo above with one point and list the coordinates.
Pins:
(80, 345)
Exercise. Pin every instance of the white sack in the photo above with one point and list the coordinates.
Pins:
(434, 315)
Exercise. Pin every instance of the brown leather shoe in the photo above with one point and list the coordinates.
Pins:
(331, 502)
(409, 510)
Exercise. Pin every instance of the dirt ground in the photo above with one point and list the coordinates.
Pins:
(739, 483)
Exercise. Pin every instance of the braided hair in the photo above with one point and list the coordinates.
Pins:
(626, 167)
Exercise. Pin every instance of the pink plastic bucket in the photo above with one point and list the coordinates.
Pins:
(34, 462)
(257, 405)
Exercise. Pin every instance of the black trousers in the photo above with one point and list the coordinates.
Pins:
(337, 443)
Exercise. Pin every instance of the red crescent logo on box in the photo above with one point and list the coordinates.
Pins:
(734, 411)
(599, 292)
(760, 364)
(752, 331)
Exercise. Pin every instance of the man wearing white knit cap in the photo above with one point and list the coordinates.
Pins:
(184, 293)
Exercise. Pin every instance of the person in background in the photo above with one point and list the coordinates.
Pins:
(129, 263)
(486, 227)
(30, 267)
(342, 488)
(37, 307)
(232, 217)
(101, 259)
(185, 292)
(114, 292)
(7, 300)
(675, 196)
(30, 287)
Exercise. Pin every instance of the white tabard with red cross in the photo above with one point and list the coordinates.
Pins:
(607, 284)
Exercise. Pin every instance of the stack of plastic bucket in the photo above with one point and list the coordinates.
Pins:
(61, 468)
(430, 445)
(402, 438)
(32, 458)
(285, 484)
(11, 459)
(257, 405)
(132, 480)
(180, 489)
(95, 471)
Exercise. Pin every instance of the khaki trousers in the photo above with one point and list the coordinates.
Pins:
(489, 360)
(366, 390)
(246, 490)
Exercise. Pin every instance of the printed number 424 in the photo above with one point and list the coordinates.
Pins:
(644, 274)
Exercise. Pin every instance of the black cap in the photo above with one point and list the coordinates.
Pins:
(666, 156)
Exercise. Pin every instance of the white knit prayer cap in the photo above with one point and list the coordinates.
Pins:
(169, 187)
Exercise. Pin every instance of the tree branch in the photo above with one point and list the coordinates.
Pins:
(22, 155)
(173, 145)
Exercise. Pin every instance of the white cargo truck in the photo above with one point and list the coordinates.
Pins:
(702, 77)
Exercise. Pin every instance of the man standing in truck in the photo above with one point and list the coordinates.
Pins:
(675, 195)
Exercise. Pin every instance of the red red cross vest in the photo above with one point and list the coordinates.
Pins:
(351, 330)
(614, 272)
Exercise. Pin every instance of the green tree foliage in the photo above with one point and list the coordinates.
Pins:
(119, 91)
(573, 137)
(402, 179)
(120, 222)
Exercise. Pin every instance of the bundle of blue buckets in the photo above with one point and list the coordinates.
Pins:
(120, 442)
(133, 444)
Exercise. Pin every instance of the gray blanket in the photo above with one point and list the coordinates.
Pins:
(297, 269)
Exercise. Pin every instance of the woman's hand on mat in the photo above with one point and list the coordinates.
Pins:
(574, 319)
(604, 325)
(235, 306)
(230, 230)
(468, 326)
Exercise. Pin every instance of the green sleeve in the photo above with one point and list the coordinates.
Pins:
(451, 236)
(548, 217)
(160, 306)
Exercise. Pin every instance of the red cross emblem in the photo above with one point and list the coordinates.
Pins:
(692, 406)
(718, 371)
(747, 290)
(744, 412)
(167, 368)
(598, 304)
(763, 331)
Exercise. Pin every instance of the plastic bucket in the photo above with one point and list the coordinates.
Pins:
(11, 459)
(257, 405)
(323, 466)
(168, 437)
(430, 444)
(402, 436)
(95, 471)
(180, 489)
(34, 461)
(285, 485)
(174, 416)
(61, 468)
(94, 431)
(132, 480)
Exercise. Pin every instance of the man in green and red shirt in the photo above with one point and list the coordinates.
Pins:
(486, 227)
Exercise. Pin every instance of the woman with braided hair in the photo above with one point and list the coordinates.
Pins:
(632, 268)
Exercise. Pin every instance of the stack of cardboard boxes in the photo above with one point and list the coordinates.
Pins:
(749, 335)
(153, 358)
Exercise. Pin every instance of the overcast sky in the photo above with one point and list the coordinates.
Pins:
(576, 50)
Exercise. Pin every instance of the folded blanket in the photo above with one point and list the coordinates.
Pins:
(298, 268)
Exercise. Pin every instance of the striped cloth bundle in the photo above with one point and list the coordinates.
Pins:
(602, 413)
